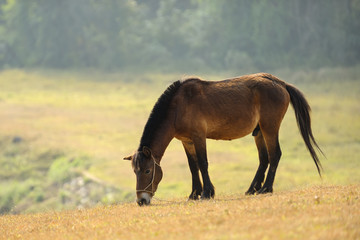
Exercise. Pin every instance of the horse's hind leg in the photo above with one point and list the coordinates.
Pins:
(194, 168)
(263, 164)
(274, 153)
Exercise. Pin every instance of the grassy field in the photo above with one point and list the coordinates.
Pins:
(63, 136)
(326, 212)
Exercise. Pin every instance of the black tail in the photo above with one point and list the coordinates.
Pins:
(302, 113)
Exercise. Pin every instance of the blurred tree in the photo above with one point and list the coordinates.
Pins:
(179, 34)
(66, 34)
(3, 54)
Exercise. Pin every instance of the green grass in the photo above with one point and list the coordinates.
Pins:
(98, 118)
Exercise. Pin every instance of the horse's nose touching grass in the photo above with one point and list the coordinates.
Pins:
(143, 199)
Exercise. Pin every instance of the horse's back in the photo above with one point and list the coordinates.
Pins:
(243, 90)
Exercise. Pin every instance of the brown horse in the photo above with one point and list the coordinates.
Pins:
(193, 110)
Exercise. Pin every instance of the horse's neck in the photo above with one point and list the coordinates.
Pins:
(162, 139)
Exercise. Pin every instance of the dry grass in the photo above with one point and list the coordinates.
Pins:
(319, 212)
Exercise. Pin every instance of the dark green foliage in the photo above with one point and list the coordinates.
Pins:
(179, 35)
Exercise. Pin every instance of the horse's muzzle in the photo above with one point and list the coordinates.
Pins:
(144, 199)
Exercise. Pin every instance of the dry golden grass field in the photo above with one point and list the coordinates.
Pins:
(319, 212)
(63, 136)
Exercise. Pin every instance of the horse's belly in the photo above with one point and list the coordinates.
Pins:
(225, 133)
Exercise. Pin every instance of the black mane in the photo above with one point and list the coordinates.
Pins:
(158, 114)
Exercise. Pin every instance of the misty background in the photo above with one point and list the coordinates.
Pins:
(178, 35)
(78, 79)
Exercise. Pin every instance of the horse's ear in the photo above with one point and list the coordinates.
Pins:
(128, 158)
(147, 151)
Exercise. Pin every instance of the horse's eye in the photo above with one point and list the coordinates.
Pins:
(147, 171)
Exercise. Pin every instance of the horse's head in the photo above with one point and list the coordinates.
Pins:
(148, 175)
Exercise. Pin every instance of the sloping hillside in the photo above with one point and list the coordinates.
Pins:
(317, 212)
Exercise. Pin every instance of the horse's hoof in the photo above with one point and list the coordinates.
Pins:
(252, 192)
(264, 190)
(208, 194)
(194, 196)
(204, 197)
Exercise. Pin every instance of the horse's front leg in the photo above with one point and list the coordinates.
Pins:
(200, 148)
(194, 168)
